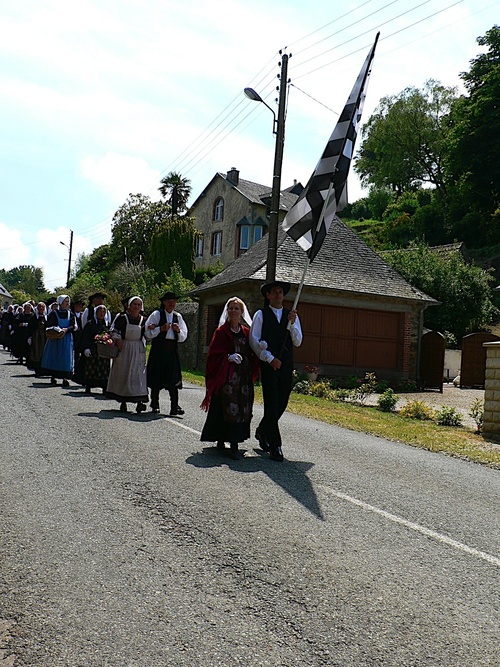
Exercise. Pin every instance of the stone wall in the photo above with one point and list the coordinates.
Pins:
(491, 420)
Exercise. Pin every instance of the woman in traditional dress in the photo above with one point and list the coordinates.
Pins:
(127, 380)
(20, 347)
(95, 368)
(231, 370)
(36, 338)
(57, 358)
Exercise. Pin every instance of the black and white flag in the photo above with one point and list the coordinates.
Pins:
(309, 219)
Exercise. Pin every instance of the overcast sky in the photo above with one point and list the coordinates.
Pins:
(102, 98)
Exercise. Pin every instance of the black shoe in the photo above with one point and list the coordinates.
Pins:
(221, 445)
(276, 454)
(65, 383)
(155, 411)
(123, 407)
(233, 452)
(176, 410)
(141, 407)
(262, 441)
(53, 381)
(87, 390)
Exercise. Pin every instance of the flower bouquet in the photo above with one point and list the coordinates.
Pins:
(106, 346)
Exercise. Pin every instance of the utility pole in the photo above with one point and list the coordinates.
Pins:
(69, 257)
(278, 161)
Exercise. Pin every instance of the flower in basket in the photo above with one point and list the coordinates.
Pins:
(104, 339)
(312, 369)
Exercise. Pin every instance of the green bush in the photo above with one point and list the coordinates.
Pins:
(477, 413)
(387, 401)
(448, 416)
(342, 394)
(320, 389)
(301, 387)
(416, 410)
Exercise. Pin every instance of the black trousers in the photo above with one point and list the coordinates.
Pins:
(174, 398)
(276, 388)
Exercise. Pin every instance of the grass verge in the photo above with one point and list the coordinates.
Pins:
(459, 442)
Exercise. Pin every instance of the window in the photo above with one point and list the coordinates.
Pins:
(216, 244)
(198, 246)
(218, 210)
(257, 233)
(244, 237)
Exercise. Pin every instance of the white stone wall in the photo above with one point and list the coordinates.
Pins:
(491, 420)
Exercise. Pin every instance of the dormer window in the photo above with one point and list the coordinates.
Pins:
(218, 210)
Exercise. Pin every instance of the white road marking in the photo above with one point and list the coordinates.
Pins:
(493, 560)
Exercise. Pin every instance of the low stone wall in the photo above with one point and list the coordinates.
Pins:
(491, 419)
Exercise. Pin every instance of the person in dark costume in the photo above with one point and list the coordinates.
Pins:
(95, 372)
(127, 379)
(231, 370)
(7, 324)
(165, 328)
(58, 358)
(274, 333)
(36, 338)
(19, 346)
(95, 300)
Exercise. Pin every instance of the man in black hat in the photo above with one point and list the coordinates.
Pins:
(95, 300)
(165, 328)
(275, 331)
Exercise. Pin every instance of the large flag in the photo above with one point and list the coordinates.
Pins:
(309, 219)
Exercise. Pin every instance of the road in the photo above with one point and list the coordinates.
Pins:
(126, 542)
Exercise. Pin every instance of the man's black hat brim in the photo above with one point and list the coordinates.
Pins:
(265, 289)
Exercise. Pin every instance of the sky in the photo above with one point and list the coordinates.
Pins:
(102, 98)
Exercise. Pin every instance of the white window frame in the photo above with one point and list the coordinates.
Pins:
(216, 249)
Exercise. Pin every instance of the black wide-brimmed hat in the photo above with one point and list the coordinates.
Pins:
(276, 283)
(97, 295)
(169, 296)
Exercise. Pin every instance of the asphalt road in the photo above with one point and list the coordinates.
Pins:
(126, 542)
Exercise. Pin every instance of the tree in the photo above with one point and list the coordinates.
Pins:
(176, 190)
(173, 242)
(404, 141)
(134, 223)
(474, 140)
(462, 289)
(25, 278)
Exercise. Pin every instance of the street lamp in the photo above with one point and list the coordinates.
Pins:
(70, 248)
(279, 131)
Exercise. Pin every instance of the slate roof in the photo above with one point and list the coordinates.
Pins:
(4, 292)
(256, 193)
(344, 263)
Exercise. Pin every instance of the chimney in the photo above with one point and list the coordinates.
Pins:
(233, 176)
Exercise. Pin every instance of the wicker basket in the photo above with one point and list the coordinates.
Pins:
(107, 351)
(54, 333)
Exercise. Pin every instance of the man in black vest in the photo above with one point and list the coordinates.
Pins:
(275, 331)
(165, 328)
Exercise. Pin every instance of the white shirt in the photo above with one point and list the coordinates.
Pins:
(154, 318)
(256, 333)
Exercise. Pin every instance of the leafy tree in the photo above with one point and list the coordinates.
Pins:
(176, 190)
(463, 290)
(96, 263)
(173, 242)
(404, 141)
(177, 283)
(474, 140)
(25, 278)
(134, 223)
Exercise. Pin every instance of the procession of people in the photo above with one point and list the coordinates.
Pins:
(61, 341)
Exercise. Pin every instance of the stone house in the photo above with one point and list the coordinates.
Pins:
(358, 315)
(231, 215)
(6, 298)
